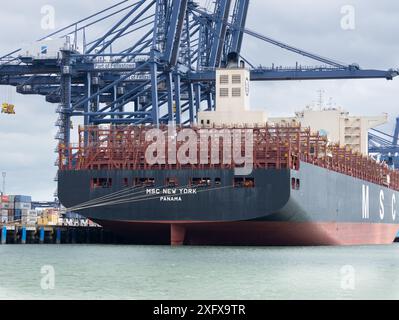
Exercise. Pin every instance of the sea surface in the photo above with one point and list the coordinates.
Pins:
(152, 272)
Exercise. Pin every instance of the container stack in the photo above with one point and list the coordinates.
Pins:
(18, 209)
(29, 217)
(22, 206)
(53, 216)
(4, 207)
(49, 217)
(11, 208)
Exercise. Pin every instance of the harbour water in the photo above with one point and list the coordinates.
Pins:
(150, 272)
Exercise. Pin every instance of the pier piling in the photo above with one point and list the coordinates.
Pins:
(23, 236)
(41, 237)
(15, 235)
(58, 236)
(4, 235)
(73, 236)
(39, 234)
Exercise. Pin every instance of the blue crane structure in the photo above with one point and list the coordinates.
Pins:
(154, 64)
(385, 146)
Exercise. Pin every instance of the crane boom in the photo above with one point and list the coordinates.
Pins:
(154, 63)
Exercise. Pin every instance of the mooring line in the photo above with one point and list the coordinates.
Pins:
(143, 198)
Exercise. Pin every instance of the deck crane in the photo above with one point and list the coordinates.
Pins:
(155, 64)
(385, 146)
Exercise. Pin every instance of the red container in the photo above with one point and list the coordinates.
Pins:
(4, 199)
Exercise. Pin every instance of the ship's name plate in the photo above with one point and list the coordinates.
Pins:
(171, 194)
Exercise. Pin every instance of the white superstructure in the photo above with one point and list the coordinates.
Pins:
(233, 109)
(338, 125)
(232, 101)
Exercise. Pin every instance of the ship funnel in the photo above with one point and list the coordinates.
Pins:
(232, 60)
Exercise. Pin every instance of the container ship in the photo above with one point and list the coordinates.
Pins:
(293, 186)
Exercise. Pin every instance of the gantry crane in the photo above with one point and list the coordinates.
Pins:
(385, 146)
(155, 63)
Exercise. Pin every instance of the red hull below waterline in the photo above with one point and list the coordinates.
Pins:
(253, 233)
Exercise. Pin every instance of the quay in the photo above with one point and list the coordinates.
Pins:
(19, 234)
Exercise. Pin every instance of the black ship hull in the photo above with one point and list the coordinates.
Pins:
(309, 206)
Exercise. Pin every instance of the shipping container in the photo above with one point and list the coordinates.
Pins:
(29, 214)
(29, 220)
(20, 198)
(4, 198)
(17, 214)
(33, 213)
(23, 205)
(53, 219)
(42, 221)
(50, 214)
(4, 216)
(4, 205)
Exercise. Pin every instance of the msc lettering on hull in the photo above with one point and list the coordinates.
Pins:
(382, 200)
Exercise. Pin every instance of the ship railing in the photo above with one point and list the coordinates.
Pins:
(123, 147)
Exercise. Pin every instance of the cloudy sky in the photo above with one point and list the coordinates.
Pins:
(27, 140)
